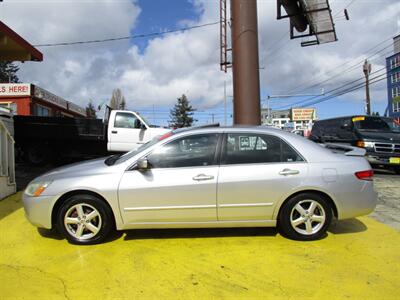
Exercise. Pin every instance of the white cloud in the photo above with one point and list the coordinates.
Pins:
(184, 62)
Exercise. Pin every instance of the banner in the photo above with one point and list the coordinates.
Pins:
(15, 89)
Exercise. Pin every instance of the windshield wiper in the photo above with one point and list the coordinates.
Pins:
(112, 159)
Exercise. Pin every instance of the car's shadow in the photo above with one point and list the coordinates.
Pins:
(139, 234)
(347, 226)
(337, 227)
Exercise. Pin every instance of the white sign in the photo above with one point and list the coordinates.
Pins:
(15, 89)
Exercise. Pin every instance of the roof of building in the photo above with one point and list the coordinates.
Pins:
(15, 48)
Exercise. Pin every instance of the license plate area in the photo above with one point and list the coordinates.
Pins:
(394, 160)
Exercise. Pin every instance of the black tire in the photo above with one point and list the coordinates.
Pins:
(397, 171)
(103, 222)
(299, 232)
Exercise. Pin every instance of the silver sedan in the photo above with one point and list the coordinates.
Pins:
(205, 177)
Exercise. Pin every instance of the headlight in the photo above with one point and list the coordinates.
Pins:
(369, 144)
(363, 144)
(35, 189)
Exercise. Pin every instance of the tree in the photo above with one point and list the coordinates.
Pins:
(8, 72)
(181, 114)
(90, 110)
(117, 100)
(375, 114)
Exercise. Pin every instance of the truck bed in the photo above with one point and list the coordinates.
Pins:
(54, 128)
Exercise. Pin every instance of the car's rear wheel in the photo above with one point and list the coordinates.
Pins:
(305, 217)
(84, 219)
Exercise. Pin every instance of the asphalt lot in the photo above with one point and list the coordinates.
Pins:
(388, 209)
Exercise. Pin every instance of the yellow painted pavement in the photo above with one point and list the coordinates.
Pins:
(359, 259)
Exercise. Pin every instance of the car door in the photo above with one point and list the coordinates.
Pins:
(179, 186)
(256, 171)
(127, 132)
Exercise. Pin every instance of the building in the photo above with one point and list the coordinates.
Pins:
(393, 81)
(27, 99)
(297, 118)
(16, 48)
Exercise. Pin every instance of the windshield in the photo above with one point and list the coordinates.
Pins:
(394, 126)
(375, 124)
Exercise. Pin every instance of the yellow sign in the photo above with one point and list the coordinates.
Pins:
(303, 114)
(394, 160)
(357, 119)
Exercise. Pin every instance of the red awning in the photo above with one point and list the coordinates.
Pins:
(14, 48)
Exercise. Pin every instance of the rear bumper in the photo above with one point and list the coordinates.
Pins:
(359, 202)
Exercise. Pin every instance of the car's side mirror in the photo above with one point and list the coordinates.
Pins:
(142, 164)
(142, 126)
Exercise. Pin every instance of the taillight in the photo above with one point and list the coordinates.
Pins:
(365, 175)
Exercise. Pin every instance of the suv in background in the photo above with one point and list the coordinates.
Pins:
(379, 136)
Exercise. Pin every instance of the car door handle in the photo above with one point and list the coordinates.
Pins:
(114, 131)
(201, 177)
(286, 172)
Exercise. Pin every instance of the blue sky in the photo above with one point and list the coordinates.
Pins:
(159, 15)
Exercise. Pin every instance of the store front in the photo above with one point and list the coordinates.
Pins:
(27, 99)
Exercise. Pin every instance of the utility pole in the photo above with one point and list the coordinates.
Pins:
(225, 103)
(367, 71)
(246, 78)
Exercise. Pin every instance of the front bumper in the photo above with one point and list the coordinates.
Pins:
(386, 160)
(38, 210)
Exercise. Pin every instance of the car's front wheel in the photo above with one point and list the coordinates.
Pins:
(84, 219)
(305, 217)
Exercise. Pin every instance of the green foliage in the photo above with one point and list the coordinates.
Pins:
(182, 114)
(90, 110)
(375, 114)
(8, 72)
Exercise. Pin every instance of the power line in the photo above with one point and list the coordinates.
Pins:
(333, 90)
(346, 70)
(128, 37)
(346, 91)
(347, 6)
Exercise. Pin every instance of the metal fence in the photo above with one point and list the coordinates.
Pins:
(7, 160)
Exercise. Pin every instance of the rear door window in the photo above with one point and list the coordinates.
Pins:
(249, 148)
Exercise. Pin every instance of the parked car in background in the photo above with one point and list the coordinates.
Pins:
(379, 136)
(206, 177)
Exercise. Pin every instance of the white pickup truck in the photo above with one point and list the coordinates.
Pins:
(128, 130)
(43, 139)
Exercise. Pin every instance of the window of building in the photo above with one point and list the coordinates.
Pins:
(395, 91)
(12, 106)
(395, 77)
(191, 151)
(243, 148)
(42, 111)
(395, 62)
(396, 106)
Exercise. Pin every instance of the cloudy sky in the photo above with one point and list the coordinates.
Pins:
(153, 72)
